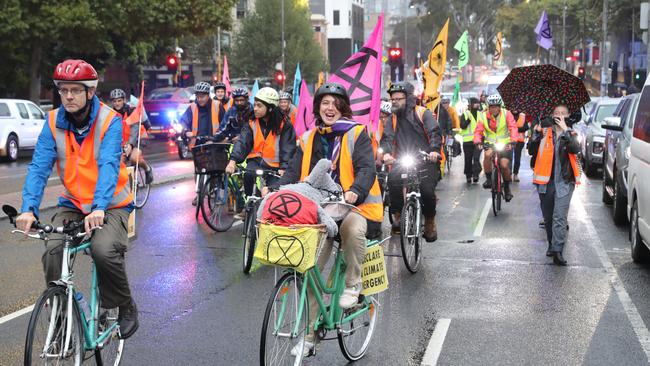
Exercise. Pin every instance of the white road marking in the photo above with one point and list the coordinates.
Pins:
(631, 311)
(16, 314)
(481, 222)
(436, 342)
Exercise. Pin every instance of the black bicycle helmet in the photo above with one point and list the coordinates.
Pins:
(219, 85)
(330, 89)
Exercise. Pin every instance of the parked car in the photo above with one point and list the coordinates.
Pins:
(592, 135)
(638, 191)
(21, 121)
(616, 154)
(164, 105)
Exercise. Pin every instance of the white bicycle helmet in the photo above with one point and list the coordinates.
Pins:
(386, 107)
(202, 87)
(117, 94)
(494, 99)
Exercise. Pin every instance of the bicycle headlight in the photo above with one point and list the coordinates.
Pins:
(380, 151)
(408, 161)
(628, 153)
(177, 127)
(499, 146)
(259, 172)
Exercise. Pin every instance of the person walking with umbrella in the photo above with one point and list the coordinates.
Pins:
(545, 90)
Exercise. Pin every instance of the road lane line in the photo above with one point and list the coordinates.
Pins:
(435, 343)
(638, 325)
(481, 222)
(16, 314)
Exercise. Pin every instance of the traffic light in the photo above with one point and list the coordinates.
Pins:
(396, 62)
(279, 77)
(395, 56)
(581, 72)
(172, 63)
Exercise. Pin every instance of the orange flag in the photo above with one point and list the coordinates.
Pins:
(136, 116)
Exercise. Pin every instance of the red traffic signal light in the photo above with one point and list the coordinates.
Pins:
(395, 53)
(279, 77)
(172, 63)
(581, 72)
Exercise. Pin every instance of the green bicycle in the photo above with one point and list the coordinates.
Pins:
(60, 330)
(286, 319)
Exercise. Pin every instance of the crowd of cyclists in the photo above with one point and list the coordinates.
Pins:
(93, 140)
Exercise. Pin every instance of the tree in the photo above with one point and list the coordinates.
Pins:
(258, 44)
(40, 34)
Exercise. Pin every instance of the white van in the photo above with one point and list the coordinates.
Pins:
(638, 198)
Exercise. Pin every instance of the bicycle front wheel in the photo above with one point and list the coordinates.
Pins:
(216, 206)
(141, 188)
(355, 333)
(110, 351)
(250, 238)
(410, 235)
(280, 319)
(496, 192)
(50, 325)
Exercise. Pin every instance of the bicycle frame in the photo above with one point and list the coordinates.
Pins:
(89, 325)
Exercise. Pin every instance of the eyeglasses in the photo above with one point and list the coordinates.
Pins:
(74, 92)
(396, 99)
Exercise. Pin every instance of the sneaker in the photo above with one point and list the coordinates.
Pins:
(307, 349)
(542, 224)
(128, 320)
(469, 180)
(350, 296)
(475, 180)
(487, 184)
(195, 201)
(515, 178)
(149, 175)
(507, 195)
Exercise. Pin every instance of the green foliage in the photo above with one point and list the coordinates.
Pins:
(37, 34)
(258, 46)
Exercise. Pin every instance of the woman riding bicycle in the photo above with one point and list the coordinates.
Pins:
(266, 142)
(347, 144)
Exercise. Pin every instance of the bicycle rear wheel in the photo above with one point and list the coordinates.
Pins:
(354, 335)
(250, 237)
(449, 159)
(216, 205)
(141, 189)
(49, 326)
(410, 235)
(280, 318)
(110, 351)
(496, 206)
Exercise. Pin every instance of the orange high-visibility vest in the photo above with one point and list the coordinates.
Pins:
(267, 148)
(372, 207)
(544, 163)
(77, 165)
(521, 136)
(126, 129)
(214, 118)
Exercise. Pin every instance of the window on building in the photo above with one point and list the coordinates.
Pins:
(242, 6)
(337, 17)
(317, 29)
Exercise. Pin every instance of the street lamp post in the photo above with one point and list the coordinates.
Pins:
(604, 55)
(563, 61)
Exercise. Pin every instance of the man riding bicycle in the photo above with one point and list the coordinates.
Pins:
(266, 142)
(413, 129)
(236, 117)
(130, 133)
(497, 125)
(84, 140)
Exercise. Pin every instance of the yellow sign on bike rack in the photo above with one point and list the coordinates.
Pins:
(373, 271)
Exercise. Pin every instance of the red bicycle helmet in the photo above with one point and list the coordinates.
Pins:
(75, 71)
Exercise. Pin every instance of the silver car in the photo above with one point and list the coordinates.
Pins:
(592, 135)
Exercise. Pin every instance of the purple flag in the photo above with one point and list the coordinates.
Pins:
(361, 76)
(305, 118)
(543, 32)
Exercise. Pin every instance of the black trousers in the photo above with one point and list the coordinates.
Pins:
(428, 180)
(472, 160)
(517, 153)
(250, 176)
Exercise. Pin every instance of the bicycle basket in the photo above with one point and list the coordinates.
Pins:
(210, 158)
(296, 246)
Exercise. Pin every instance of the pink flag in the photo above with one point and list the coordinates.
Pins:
(361, 76)
(305, 118)
(226, 75)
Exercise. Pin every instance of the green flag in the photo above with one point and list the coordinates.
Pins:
(456, 97)
(462, 46)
